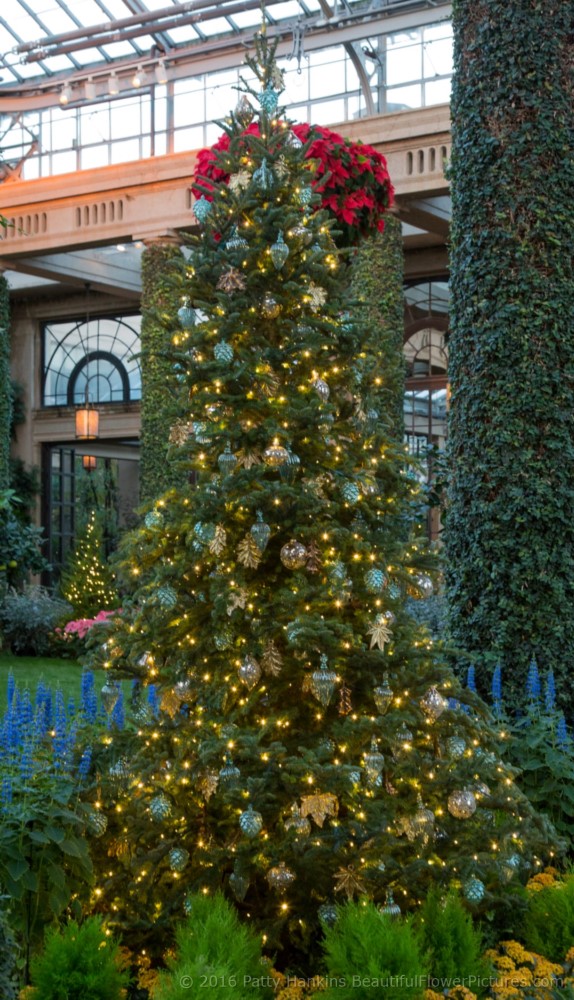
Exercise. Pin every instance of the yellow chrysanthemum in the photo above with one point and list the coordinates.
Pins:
(504, 963)
(517, 952)
(569, 956)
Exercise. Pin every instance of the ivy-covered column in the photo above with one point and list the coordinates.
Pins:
(377, 272)
(159, 305)
(5, 386)
(510, 524)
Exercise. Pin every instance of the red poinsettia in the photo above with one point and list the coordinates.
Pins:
(351, 177)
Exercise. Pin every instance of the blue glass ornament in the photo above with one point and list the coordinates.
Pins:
(178, 858)
(201, 209)
(167, 596)
(160, 807)
(153, 519)
(375, 581)
(223, 352)
(473, 889)
(187, 317)
(251, 822)
(279, 252)
(263, 177)
(269, 100)
(304, 195)
(235, 241)
(351, 493)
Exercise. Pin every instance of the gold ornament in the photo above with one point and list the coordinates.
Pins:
(231, 280)
(217, 543)
(281, 168)
(170, 703)
(280, 877)
(314, 561)
(462, 804)
(237, 599)
(275, 455)
(249, 458)
(271, 661)
(345, 706)
(347, 881)
(248, 552)
(379, 632)
(180, 432)
(317, 296)
(319, 806)
(433, 704)
(208, 784)
(239, 180)
(121, 847)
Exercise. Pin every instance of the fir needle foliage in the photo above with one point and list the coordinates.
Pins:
(288, 760)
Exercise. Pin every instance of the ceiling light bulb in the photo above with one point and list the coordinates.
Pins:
(113, 84)
(65, 94)
(89, 89)
(161, 72)
(137, 78)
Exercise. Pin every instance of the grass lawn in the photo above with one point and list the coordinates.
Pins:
(29, 670)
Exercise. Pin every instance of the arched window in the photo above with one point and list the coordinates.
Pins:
(97, 356)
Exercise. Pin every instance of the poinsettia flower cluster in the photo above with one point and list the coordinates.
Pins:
(351, 177)
(81, 626)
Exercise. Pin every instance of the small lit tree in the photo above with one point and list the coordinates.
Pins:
(87, 581)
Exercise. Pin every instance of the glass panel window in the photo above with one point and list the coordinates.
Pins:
(97, 357)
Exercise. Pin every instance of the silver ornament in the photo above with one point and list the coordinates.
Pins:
(383, 695)
(455, 746)
(235, 241)
(462, 803)
(250, 672)
(270, 307)
(227, 461)
(229, 774)
(321, 388)
(263, 177)
(327, 914)
(251, 822)
(280, 877)
(373, 763)
(300, 824)
(433, 704)
(275, 455)
(390, 908)
(422, 823)
(187, 317)
(293, 554)
(323, 682)
(97, 824)
(239, 884)
(279, 252)
(110, 694)
(260, 532)
(402, 741)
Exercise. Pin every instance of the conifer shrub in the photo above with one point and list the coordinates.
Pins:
(548, 927)
(216, 955)
(454, 945)
(79, 962)
(368, 953)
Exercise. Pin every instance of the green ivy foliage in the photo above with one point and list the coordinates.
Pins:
(377, 272)
(5, 384)
(510, 524)
(159, 307)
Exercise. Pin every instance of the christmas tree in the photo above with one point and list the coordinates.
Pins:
(300, 743)
(87, 581)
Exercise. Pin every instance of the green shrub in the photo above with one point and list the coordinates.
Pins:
(216, 955)
(549, 921)
(453, 944)
(28, 619)
(367, 953)
(8, 956)
(78, 963)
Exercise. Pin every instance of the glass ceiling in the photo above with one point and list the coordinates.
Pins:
(45, 39)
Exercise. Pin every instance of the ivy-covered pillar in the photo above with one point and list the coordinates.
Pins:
(377, 273)
(510, 524)
(5, 385)
(159, 305)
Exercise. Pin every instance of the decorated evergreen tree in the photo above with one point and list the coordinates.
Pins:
(87, 581)
(300, 743)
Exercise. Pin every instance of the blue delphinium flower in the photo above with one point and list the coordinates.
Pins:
(85, 764)
(11, 688)
(6, 791)
(26, 767)
(470, 679)
(533, 681)
(496, 690)
(118, 717)
(153, 698)
(89, 698)
(550, 692)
